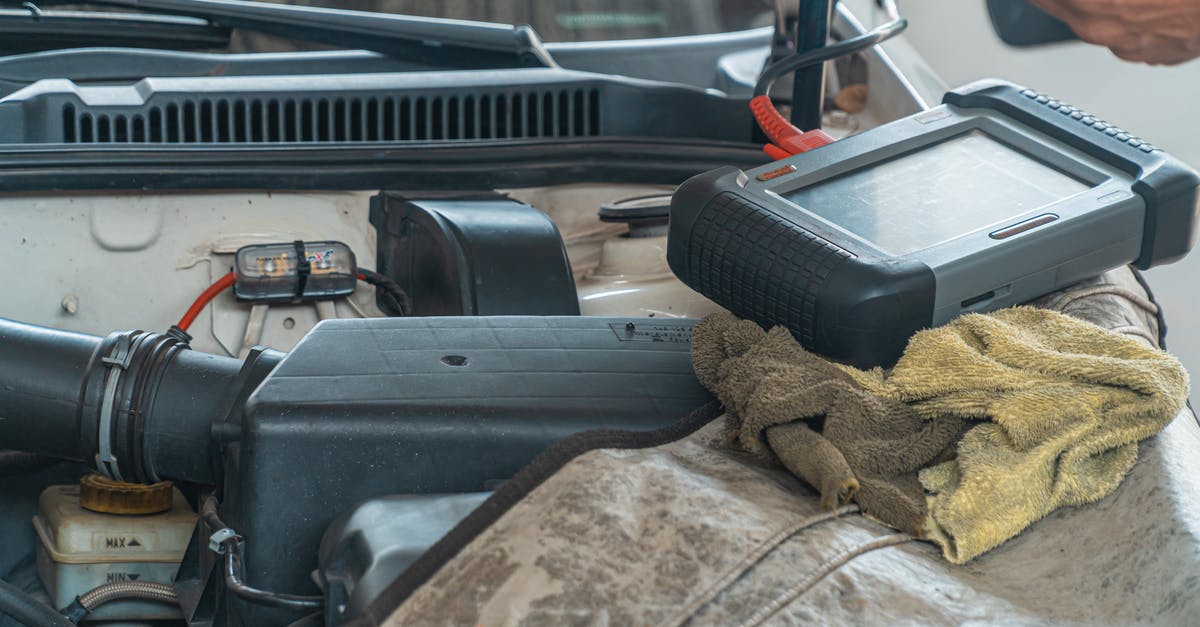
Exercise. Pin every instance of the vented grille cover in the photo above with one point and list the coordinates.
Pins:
(464, 105)
(499, 115)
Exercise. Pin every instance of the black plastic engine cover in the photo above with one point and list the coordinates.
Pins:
(366, 408)
(457, 256)
(364, 550)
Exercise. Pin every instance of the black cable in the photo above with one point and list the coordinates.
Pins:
(808, 82)
(800, 61)
(233, 581)
(230, 547)
(388, 290)
(1162, 326)
(27, 610)
(208, 511)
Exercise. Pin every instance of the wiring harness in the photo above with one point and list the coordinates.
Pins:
(394, 298)
(786, 139)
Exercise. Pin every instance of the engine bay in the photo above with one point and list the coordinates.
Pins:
(502, 235)
(161, 251)
(321, 315)
(496, 289)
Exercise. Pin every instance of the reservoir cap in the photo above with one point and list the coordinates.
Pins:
(101, 494)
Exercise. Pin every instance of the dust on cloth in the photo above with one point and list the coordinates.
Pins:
(783, 402)
(984, 425)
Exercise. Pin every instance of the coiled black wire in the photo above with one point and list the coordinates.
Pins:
(393, 296)
(800, 61)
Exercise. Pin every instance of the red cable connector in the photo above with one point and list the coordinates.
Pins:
(786, 140)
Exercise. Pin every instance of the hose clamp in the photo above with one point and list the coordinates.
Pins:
(217, 541)
(117, 362)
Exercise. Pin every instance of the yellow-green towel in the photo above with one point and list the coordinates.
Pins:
(1065, 403)
(1055, 407)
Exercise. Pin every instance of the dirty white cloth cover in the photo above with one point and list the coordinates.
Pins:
(695, 533)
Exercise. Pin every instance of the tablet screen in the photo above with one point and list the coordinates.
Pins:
(937, 193)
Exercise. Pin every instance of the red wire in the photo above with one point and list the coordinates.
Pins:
(204, 299)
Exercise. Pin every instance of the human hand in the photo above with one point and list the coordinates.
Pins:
(1158, 32)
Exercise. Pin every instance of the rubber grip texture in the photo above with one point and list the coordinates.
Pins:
(761, 266)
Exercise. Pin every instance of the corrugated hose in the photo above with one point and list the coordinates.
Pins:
(119, 591)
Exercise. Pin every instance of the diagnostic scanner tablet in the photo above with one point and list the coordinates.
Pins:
(996, 197)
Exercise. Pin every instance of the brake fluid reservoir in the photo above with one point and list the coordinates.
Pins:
(80, 549)
(632, 277)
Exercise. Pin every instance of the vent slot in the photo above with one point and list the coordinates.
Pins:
(555, 113)
(979, 298)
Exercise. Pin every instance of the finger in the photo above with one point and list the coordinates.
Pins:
(1158, 51)
(1108, 33)
(1096, 21)
(1179, 28)
(1118, 35)
(1128, 11)
(1176, 58)
(1064, 11)
(1135, 55)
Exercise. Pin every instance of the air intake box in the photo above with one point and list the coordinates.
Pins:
(366, 408)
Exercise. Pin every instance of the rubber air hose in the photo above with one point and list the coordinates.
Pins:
(14, 463)
(137, 406)
(27, 610)
(41, 373)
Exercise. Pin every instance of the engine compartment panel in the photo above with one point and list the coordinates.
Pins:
(103, 261)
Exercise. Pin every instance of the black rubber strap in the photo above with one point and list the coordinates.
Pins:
(1162, 321)
(1162, 325)
(513, 491)
(303, 268)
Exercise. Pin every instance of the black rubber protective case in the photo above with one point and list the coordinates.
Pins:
(764, 268)
(861, 308)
